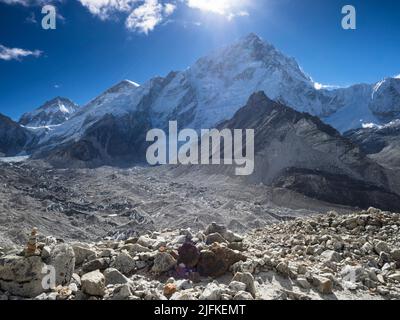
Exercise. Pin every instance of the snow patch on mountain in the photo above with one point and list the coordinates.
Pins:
(218, 85)
(53, 112)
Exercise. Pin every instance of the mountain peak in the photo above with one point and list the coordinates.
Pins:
(52, 112)
(251, 38)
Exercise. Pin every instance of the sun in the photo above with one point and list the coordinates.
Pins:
(227, 8)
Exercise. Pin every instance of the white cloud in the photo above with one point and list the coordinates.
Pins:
(16, 53)
(145, 15)
(228, 8)
(320, 86)
(29, 3)
(148, 15)
(31, 18)
(105, 8)
(169, 8)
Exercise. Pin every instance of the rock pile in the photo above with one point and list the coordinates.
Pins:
(330, 256)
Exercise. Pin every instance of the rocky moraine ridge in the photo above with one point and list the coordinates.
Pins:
(326, 257)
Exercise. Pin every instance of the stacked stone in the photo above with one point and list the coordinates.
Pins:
(32, 247)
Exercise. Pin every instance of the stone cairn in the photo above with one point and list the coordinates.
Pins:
(32, 246)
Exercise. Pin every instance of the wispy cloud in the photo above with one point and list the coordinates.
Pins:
(147, 16)
(16, 53)
(29, 3)
(31, 18)
(105, 8)
(144, 15)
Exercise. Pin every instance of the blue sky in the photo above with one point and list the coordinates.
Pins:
(97, 43)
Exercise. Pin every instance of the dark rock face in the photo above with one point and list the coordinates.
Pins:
(116, 141)
(338, 189)
(380, 143)
(299, 152)
(13, 137)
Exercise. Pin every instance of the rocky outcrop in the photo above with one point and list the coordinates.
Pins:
(299, 152)
(13, 137)
(380, 143)
(325, 257)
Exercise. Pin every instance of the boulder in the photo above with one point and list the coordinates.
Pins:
(217, 260)
(243, 296)
(189, 255)
(215, 237)
(113, 276)
(93, 283)
(163, 262)
(283, 269)
(96, 264)
(247, 279)
(83, 254)
(122, 292)
(395, 254)
(211, 293)
(63, 260)
(124, 263)
(237, 286)
(323, 285)
(382, 246)
(22, 276)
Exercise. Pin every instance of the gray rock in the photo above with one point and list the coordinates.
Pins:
(331, 256)
(46, 252)
(237, 286)
(395, 254)
(63, 260)
(96, 264)
(211, 292)
(22, 276)
(83, 254)
(283, 269)
(303, 283)
(248, 280)
(215, 237)
(382, 246)
(122, 292)
(243, 296)
(183, 296)
(93, 283)
(163, 262)
(124, 263)
(395, 276)
(113, 276)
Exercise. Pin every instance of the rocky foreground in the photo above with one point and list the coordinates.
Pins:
(325, 257)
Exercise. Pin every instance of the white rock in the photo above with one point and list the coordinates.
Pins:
(63, 260)
(93, 283)
(211, 292)
(243, 296)
(237, 286)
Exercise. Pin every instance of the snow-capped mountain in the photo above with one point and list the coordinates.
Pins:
(380, 142)
(385, 102)
(53, 112)
(217, 86)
